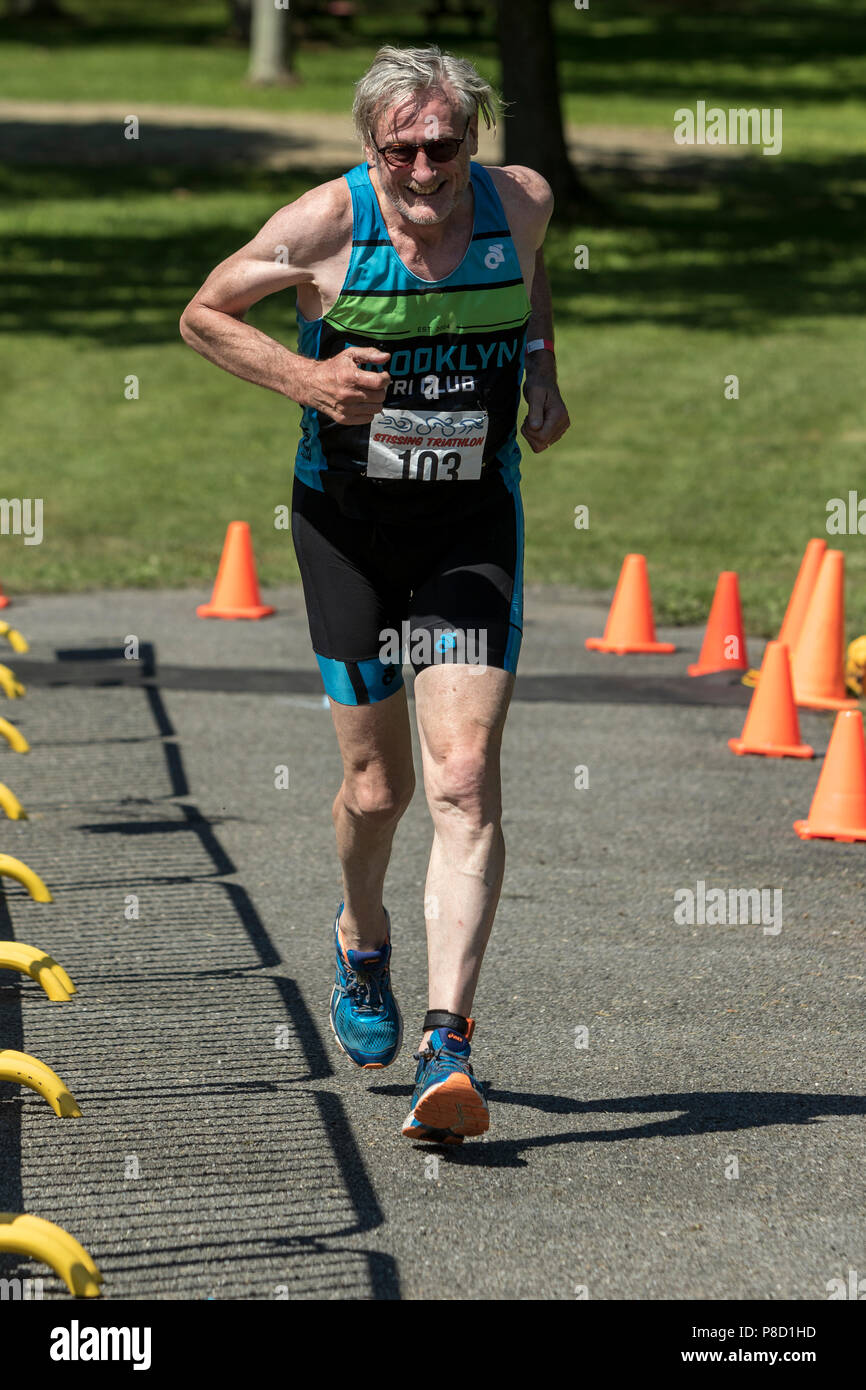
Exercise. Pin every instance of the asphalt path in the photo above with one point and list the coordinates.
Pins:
(676, 1108)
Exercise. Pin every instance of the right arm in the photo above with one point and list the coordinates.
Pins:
(296, 243)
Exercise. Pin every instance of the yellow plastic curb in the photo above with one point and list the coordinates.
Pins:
(14, 737)
(32, 882)
(23, 1234)
(29, 1071)
(44, 969)
(17, 641)
(10, 804)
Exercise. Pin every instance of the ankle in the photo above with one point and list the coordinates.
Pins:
(357, 940)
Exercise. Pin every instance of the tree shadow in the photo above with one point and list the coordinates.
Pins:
(194, 143)
(749, 245)
(764, 242)
(760, 50)
(754, 47)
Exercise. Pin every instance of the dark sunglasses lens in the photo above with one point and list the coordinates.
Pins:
(400, 154)
(440, 151)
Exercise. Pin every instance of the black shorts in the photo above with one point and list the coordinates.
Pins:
(447, 588)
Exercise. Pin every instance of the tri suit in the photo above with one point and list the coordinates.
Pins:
(417, 518)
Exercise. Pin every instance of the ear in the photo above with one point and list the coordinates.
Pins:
(472, 136)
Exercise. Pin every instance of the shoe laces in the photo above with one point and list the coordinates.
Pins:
(431, 1054)
(364, 988)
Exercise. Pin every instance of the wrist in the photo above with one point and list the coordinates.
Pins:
(541, 365)
(302, 388)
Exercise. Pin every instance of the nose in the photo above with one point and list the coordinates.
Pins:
(422, 170)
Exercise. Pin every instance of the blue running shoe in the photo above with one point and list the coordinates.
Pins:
(365, 1019)
(448, 1104)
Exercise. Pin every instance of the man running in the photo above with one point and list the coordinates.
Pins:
(421, 299)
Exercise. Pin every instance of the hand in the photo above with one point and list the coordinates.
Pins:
(341, 388)
(547, 418)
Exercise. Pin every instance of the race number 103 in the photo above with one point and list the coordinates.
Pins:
(428, 466)
(416, 446)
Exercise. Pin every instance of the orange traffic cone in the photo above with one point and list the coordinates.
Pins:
(4, 602)
(724, 645)
(818, 660)
(804, 584)
(236, 591)
(792, 622)
(772, 726)
(838, 810)
(630, 623)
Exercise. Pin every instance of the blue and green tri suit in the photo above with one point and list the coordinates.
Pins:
(417, 517)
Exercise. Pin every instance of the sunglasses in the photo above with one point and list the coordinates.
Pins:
(402, 155)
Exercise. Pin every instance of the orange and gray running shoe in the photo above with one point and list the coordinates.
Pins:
(448, 1104)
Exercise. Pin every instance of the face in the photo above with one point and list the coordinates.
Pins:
(425, 192)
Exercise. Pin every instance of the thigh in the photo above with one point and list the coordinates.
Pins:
(467, 592)
(352, 597)
(461, 713)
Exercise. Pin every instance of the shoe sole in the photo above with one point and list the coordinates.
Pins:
(366, 1066)
(429, 1136)
(455, 1105)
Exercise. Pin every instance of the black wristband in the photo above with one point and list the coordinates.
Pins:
(441, 1018)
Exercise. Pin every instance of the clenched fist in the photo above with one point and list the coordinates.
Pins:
(341, 388)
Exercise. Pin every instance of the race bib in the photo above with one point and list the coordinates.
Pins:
(427, 446)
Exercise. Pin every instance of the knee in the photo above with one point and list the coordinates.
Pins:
(465, 786)
(373, 796)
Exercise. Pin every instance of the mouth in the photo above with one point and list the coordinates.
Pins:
(425, 192)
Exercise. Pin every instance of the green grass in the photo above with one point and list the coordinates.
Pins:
(759, 270)
(624, 61)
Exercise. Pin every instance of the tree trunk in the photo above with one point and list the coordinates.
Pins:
(242, 15)
(534, 133)
(270, 44)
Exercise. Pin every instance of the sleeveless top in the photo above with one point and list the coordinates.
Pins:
(457, 355)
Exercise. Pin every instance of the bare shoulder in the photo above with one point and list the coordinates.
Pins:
(316, 226)
(526, 195)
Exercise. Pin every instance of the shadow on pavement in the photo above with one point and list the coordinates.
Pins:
(698, 1112)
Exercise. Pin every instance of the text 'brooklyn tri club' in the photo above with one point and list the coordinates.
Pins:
(456, 358)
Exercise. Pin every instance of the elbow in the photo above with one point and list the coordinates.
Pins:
(186, 324)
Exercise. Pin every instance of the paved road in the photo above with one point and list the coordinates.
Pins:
(198, 1045)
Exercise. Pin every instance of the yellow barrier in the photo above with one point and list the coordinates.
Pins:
(22, 1234)
(14, 737)
(17, 641)
(29, 1071)
(10, 683)
(10, 804)
(44, 969)
(32, 882)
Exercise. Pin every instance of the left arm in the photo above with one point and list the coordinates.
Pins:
(528, 204)
(547, 418)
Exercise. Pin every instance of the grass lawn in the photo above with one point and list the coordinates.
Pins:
(758, 271)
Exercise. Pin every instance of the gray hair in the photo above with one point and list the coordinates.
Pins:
(399, 74)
